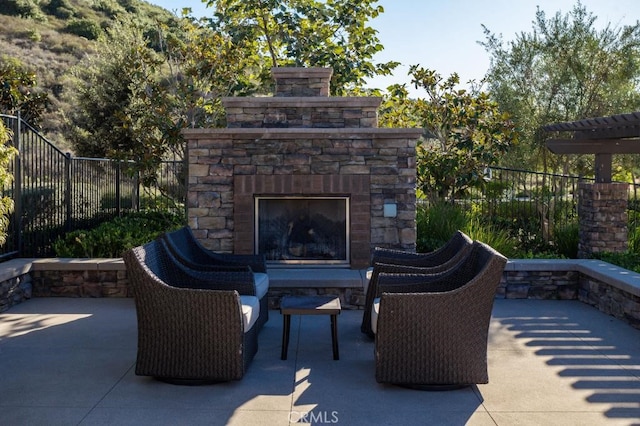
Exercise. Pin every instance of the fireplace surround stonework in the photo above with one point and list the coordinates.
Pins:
(302, 142)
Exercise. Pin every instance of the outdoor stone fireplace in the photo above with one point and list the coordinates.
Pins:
(305, 178)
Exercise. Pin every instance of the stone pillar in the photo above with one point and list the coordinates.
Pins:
(292, 82)
(602, 211)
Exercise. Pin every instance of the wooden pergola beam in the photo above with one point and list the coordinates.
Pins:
(594, 146)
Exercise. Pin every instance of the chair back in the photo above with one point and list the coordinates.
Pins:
(183, 242)
(457, 245)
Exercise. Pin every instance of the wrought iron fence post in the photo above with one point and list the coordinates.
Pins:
(136, 185)
(185, 165)
(17, 184)
(67, 192)
(118, 181)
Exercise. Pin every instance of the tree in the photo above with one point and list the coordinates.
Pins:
(19, 91)
(133, 101)
(564, 70)
(7, 153)
(465, 132)
(309, 33)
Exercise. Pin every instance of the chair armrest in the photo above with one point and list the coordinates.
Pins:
(416, 283)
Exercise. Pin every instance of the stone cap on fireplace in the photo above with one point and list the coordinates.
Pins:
(302, 111)
(301, 101)
(297, 133)
(298, 81)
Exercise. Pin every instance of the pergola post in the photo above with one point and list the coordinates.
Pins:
(602, 208)
(602, 212)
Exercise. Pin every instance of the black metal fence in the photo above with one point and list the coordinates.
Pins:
(55, 193)
(530, 205)
(536, 208)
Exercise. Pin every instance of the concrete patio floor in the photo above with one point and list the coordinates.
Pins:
(71, 362)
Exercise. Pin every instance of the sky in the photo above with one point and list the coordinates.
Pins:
(443, 35)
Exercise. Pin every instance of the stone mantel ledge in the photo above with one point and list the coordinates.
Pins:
(301, 102)
(298, 133)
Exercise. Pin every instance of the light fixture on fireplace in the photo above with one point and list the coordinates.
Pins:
(304, 230)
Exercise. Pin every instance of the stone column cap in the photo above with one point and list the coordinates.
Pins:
(301, 72)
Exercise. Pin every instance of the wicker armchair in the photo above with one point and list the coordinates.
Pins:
(457, 242)
(188, 251)
(187, 332)
(397, 261)
(183, 242)
(431, 330)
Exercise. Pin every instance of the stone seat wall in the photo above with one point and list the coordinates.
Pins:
(611, 289)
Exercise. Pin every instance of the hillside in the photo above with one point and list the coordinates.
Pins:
(51, 36)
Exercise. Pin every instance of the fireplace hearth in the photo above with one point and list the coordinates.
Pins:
(302, 177)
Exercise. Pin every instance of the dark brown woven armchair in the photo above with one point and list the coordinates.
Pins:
(188, 251)
(432, 330)
(192, 327)
(184, 243)
(397, 261)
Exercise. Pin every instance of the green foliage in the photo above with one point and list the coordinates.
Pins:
(113, 238)
(436, 223)
(18, 91)
(34, 35)
(7, 153)
(61, 9)
(566, 238)
(564, 69)
(152, 95)
(312, 33)
(478, 229)
(628, 260)
(165, 201)
(110, 7)
(466, 132)
(86, 28)
(21, 8)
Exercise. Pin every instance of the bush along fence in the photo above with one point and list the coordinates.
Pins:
(55, 193)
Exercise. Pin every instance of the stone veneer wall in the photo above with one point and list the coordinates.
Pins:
(302, 142)
(227, 167)
(602, 213)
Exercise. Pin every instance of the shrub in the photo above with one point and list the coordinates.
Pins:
(627, 260)
(7, 153)
(566, 238)
(113, 238)
(109, 7)
(491, 235)
(436, 223)
(86, 28)
(22, 8)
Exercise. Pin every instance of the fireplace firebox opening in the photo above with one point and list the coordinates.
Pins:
(305, 230)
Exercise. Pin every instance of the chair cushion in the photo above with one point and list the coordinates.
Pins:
(262, 284)
(250, 311)
(369, 273)
(375, 310)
